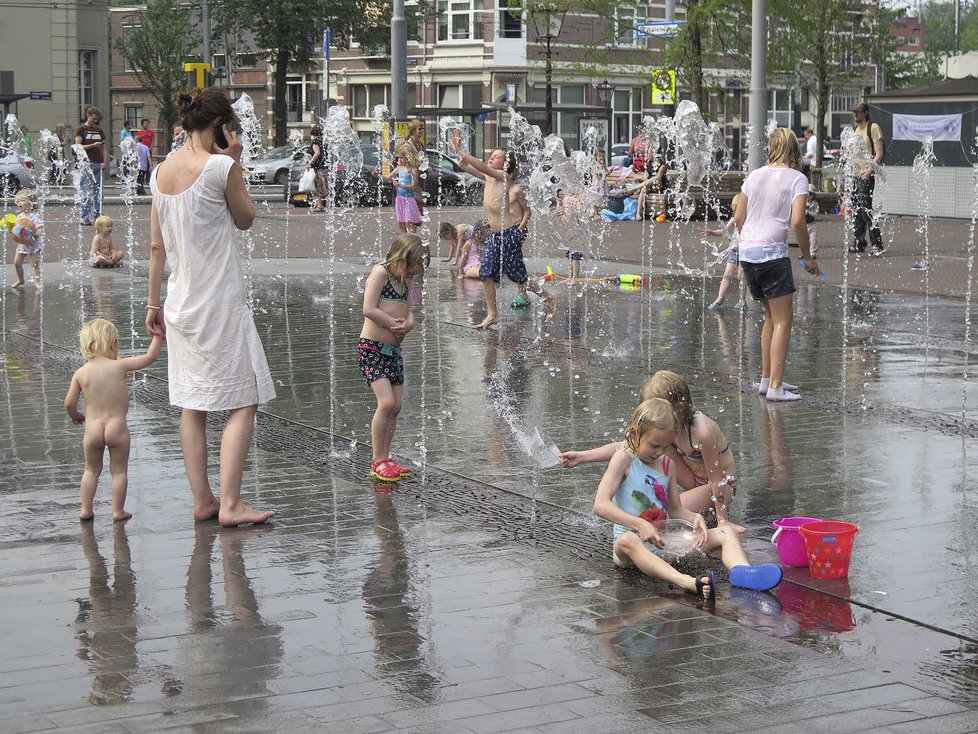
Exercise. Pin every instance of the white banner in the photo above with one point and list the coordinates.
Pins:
(918, 127)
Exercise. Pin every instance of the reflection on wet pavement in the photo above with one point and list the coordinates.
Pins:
(455, 601)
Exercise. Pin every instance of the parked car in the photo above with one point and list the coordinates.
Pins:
(444, 183)
(619, 152)
(15, 174)
(351, 187)
(274, 165)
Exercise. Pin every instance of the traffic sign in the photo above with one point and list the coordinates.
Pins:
(664, 86)
(659, 28)
(41, 95)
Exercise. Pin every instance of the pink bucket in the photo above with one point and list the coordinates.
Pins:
(791, 545)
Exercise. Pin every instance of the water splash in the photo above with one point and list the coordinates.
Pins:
(250, 137)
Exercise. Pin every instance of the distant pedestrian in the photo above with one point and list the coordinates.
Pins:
(28, 143)
(864, 181)
(126, 131)
(144, 134)
(142, 177)
(317, 163)
(809, 153)
(407, 184)
(102, 382)
(732, 269)
(92, 138)
(387, 319)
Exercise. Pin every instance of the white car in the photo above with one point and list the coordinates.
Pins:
(274, 166)
(619, 152)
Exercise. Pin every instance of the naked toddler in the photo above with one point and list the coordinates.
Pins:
(102, 382)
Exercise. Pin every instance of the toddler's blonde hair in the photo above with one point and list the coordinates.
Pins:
(26, 196)
(96, 338)
(406, 250)
(652, 413)
(102, 222)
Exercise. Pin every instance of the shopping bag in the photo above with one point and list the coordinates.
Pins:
(307, 183)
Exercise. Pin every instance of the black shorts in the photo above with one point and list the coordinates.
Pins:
(769, 279)
(379, 361)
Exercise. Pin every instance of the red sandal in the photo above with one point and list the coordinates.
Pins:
(385, 470)
(405, 472)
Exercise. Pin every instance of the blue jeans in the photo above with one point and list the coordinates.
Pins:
(91, 192)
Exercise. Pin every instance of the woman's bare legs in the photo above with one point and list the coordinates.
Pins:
(779, 312)
(193, 441)
(235, 443)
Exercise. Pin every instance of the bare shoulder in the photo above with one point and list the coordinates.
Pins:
(705, 428)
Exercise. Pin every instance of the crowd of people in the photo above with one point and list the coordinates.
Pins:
(674, 462)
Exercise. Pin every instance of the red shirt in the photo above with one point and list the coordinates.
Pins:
(145, 137)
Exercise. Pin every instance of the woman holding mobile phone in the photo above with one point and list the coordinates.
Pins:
(215, 357)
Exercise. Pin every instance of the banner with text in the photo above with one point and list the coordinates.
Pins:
(919, 127)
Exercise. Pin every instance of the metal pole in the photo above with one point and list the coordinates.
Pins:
(399, 62)
(758, 85)
(549, 127)
(670, 9)
(205, 16)
(324, 105)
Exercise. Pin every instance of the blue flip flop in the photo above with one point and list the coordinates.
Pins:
(700, 584)
(759, 578)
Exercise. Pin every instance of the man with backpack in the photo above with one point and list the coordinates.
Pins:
(865, 181)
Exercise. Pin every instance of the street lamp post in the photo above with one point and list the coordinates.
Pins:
(547, 20)
(606, 93)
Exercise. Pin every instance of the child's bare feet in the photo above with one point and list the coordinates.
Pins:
(242, 515)
(86, 515)
(120, 516)
(39, 285)
(207, 511)
(487, 322)
(17, 285)
(551, 304)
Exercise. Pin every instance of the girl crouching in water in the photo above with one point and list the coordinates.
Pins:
(638, 493)
(387, 319)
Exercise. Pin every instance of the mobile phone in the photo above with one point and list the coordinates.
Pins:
(219, 138)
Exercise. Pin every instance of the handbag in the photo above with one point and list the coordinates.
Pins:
(307, 183)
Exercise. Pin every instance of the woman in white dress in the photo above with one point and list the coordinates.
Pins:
(215, 358)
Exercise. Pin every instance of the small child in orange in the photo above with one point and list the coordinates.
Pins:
(102, 383)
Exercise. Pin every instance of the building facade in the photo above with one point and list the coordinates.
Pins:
(55, 62)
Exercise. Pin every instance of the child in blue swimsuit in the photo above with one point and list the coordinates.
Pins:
(638, 493)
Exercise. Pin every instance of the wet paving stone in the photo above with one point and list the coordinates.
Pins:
(454, 603)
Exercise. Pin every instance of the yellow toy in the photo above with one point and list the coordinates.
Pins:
(661, 218)
(550, 275)
(8, 221)
(630, 279)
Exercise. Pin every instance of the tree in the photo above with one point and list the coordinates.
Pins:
(156, 41)
(288, 31)
(828, 39)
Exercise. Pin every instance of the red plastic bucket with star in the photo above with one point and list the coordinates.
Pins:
(829, 547)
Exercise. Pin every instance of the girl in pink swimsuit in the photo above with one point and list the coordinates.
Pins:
(471, 257)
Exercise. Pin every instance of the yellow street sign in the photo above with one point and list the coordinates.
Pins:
(664, 86)
(200, 70)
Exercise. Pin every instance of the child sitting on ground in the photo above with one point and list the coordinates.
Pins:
(732, 268)
(638, 493)
(457, 234)
(702, 457)
(102, 382)
(28, 233)
(470, 256)
(102, 255)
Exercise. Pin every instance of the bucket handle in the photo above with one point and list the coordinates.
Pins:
(776, 534)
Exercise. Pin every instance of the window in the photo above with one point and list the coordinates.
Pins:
(780, 101)
(134, 114)
(844, 100)
(510, 23)
(460, 95)
(86, 80)
(626, 18)
(913, 41)
(572, 94)
(628, 105)
(458, 21)
(246, 61)
(368, 96)
(128, 64)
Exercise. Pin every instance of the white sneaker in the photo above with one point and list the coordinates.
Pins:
(782, 396)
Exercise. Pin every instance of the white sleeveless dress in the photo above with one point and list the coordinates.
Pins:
(215, 357)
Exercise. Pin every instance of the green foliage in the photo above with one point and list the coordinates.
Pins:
(157, 41)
